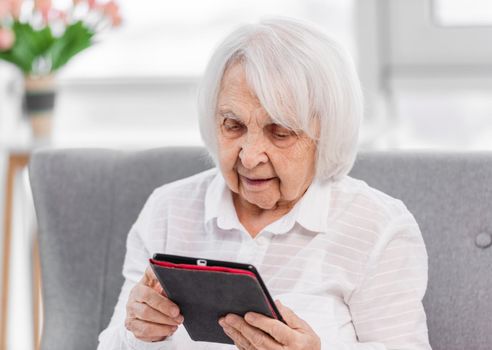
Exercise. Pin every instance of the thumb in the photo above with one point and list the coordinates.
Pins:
(149, 279)
(289, 316)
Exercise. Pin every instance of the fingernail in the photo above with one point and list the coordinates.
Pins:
(174, 311)
(222, 321)
(180, 319)
(250, 317)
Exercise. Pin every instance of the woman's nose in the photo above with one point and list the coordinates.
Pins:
(253, 152)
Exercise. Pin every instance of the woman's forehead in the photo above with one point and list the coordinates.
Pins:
(234, 88)
(245, 116)
(237, 97)
(234, 78)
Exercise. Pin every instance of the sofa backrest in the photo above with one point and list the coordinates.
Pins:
(87, 200)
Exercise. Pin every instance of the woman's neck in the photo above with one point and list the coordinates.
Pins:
(253, 218)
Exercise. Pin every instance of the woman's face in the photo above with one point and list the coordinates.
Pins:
(266, 165)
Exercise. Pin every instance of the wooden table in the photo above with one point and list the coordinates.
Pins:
(17, 160)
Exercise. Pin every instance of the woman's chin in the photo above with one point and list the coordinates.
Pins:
(263, 201)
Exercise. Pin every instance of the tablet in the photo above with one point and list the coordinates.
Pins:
(206, 290)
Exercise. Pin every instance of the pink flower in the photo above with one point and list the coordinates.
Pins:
(15, 7)
(7, 39)
(112, 10)
(60, 15)
(92, 4)
(43, 6)
(4, 8)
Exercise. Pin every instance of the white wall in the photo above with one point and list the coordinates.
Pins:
(415, 40)
(127, 113)
(435, 82)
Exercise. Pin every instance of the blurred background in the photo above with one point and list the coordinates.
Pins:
(425, 67)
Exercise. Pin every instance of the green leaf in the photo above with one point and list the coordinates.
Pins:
(29, 45)
(33, 44)
(77, 37)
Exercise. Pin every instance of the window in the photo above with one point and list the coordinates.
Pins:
(175, 38)
(463, 12)
(137, 86)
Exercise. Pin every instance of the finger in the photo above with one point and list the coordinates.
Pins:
(149, 279)
(255, 336)
(148, 331)
(279, 331)
(147, 295)
(293, 321)
(239, 340)
(146, 313)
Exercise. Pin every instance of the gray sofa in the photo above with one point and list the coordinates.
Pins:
(86, 201)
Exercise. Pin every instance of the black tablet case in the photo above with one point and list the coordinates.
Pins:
(205, 296)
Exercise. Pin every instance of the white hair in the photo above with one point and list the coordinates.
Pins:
(302, 78)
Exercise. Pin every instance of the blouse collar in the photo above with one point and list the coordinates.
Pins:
(311, 211)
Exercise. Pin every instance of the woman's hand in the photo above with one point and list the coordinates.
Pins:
(150, 315)
(258, 332)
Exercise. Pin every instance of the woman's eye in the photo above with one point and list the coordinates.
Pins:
(281, 132)
(281, 135)
(232, 127)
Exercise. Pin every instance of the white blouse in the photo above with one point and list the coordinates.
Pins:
(348, 259)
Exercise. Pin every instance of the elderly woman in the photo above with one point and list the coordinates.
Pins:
(280, 107)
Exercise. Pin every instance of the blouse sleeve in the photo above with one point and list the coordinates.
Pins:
(386, 308)
(116, 336)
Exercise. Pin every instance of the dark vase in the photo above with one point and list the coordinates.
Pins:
(39, 104)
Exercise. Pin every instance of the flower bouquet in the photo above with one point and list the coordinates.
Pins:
(39, 39)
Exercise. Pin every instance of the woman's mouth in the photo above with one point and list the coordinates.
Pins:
(256, 182)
